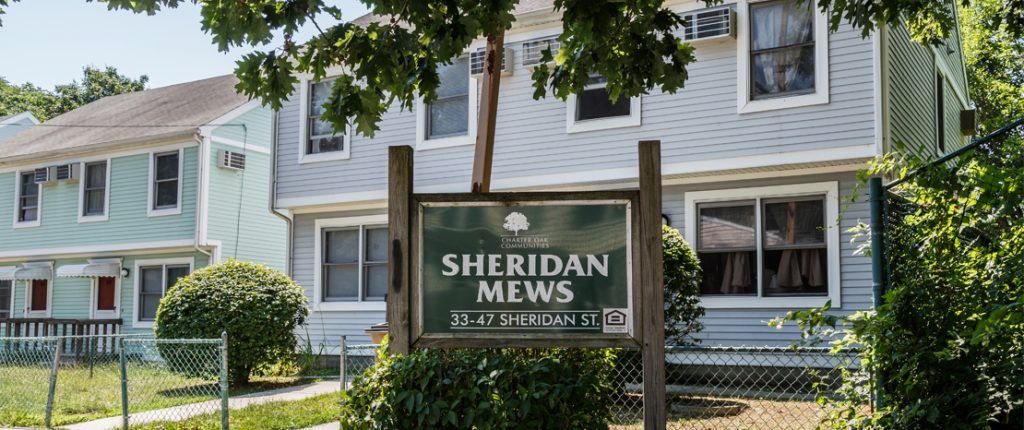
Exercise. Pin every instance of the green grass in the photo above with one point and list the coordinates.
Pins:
(295, 414)
(84, 397)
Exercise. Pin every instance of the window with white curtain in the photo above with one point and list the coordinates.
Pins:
(782, 49)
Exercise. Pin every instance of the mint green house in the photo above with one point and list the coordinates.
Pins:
(103, 208)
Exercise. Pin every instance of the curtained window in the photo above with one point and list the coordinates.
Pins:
(779, 243)
(320, 134)
(781, 48)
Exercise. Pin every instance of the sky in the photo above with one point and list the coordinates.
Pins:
(48, 42)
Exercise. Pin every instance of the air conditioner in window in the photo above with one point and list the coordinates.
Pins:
(230, 160)
(45, 175)
(66, 172)
(708, 24)
(532, 50)
(477, 61)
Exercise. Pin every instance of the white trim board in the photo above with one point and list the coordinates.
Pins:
(240, 145)
(625, 174)
(831, 192)
(318, 305)
(143, 148)
(22, 254)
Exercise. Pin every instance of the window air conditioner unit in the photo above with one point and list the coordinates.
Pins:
(66, 172)
(477, 61)
(532, 50)
(44, 175)
(230, 160)
(709, 24)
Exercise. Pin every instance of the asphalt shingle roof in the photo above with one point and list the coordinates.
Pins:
(175, 110)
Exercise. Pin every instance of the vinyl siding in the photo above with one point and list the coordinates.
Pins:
(698, 123)
(127, 222)
(241, 198)
(722, 326)
(15, 127)
(71, 297)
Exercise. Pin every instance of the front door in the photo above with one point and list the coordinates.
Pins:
(105, 296)
(38, 299)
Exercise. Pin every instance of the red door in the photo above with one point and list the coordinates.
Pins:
(105, 293)
(39, 295)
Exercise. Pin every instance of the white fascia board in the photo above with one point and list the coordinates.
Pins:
(91, 250)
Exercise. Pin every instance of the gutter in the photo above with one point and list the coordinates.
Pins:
(200, 194)
(272, 203)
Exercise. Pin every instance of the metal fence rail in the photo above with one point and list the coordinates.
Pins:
(712, 387)
(124, 379)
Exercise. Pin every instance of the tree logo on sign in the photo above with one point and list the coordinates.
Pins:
(516, 222)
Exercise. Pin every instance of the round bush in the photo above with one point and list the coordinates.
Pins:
(682, 289)
(563, 389)
(258, 307)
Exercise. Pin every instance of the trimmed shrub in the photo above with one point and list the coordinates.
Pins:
(258, 307)
(682, 289)
(563, 389)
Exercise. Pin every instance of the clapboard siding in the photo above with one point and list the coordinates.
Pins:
(127, 222)
(239, 203)
(722, 326)
(698, 123)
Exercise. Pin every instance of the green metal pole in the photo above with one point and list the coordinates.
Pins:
(124, 383)
(224, 380)
(51, 393)
(876, 197)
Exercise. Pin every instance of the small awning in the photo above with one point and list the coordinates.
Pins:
(91, 270)
(26, 272)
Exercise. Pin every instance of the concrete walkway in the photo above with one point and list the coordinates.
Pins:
(328, 426)
(182, 412)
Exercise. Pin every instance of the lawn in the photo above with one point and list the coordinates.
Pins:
(84, 395)
(267, 416)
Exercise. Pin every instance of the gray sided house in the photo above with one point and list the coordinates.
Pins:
(108, 205)
(16, 123)
(759, 153)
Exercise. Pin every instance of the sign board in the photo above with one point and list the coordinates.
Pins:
(547, 266)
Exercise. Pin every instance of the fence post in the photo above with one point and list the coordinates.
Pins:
(224, 380)
(124, 382)
(343, 363)
(92, 355)
(51, 393)
(876, 197)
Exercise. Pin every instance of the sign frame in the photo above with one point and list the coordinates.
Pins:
(420, 339)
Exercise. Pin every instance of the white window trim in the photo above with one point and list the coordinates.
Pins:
(81, 195)
(304, 98)
(573, 126)
(93, 296)
(821, 65)
(831, 192)
(326, 223)
(138, 283)
(424, 144)
(49, 297)
(17, 202)
(150, 195)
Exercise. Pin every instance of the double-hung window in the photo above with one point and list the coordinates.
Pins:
(354, 264)
(28, 198)
(783, 56)
(449, 120)
(94, 190)
(320, 141)
(154, 279)
(593, 108)
(166, 188)
(771, 247)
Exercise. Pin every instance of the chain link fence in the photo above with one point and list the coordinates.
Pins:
(115, 380)
(713, 387)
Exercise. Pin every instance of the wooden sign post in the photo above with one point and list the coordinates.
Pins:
(536, 269)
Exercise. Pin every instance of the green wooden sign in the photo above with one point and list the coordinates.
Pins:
(530, 268)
